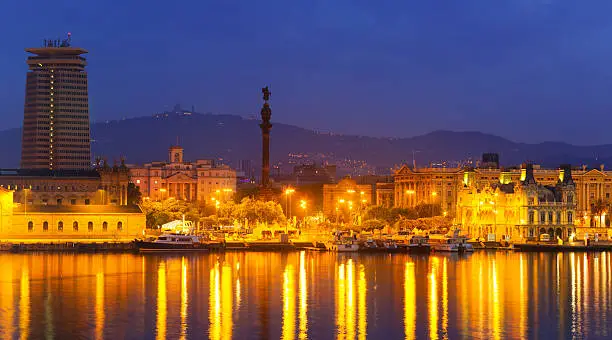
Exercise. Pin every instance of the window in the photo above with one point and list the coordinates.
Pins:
(90, 226)
(120, 226)
(104, 226)
(60, 226)
(550, 217)
(73, 201)
(558, 217)
(75, 226)
(531, 217)
(30, 226)
(45, 226)
(87, 201)
(570, 218)
(542, 217)
(59, 201)
(570, 198)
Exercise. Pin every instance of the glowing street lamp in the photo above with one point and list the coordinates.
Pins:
(288, 193)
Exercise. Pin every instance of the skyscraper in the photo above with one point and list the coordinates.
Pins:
(56, 113)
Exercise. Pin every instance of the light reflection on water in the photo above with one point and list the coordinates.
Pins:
(306, 296)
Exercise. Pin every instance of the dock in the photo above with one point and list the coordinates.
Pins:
(543, 247)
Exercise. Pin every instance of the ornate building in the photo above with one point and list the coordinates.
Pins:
(520, 210)
(201, 181)
(442, 185)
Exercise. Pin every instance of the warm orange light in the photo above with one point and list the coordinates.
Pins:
(434, 193)
(289, 191)
(162, 190)
(410, 192)
(341, 200)
(350, 191)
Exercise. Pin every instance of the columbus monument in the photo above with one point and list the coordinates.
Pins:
(266, 114)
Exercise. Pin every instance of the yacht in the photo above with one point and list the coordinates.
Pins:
(343, 245)
(450, 242)
(419, 245)
(172, 242)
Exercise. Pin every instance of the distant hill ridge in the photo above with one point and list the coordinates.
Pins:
(233, 138)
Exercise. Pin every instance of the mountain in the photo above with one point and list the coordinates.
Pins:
(233, 138)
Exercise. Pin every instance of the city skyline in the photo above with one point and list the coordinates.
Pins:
(508, 70)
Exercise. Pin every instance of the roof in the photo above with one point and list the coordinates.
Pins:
(79, 209)
(49, 173)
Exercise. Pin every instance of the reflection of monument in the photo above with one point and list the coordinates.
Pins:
(265, 126)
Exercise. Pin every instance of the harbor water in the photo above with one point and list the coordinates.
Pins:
(306, 295)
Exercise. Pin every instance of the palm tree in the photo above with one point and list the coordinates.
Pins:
(598, 208)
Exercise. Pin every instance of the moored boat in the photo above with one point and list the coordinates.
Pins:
(344, 245)
(454, 242)
(419, 245)
(172, 242)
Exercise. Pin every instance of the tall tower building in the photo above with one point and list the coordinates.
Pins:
(56, 113)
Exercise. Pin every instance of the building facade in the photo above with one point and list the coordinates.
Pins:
(56, 132)
(442, 186)
(103, 185)
(39, 223)
(200, 181)
(345, 198)
(521, 210)
(384, 194)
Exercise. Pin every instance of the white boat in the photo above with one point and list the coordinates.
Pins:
(451, 242)
(173, 242)
(345, 245)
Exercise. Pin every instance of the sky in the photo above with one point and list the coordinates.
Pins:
(527, 70)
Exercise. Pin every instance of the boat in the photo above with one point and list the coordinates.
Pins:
(450, 242)
(419, 245)
(343, 245)
(172, 242)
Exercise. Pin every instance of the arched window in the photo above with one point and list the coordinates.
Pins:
(570, 198)
(104, 226)
(45, 226)
(75, 226)
(90, 226)
(30, 226)
(570, 218)
(60, 226)
(119, 225)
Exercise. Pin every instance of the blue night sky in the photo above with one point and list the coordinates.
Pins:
(528, 70)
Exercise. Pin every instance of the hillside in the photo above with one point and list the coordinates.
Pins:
(233, 138)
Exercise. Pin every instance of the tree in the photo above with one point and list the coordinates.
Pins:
(370, 225)
(253, 211)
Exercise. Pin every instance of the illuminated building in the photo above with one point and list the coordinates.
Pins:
(68, 222)
(522, 210)
(99, 186)
(414, 186)
(56, 113)
(384, 194)
(202, 180)
(345, 198)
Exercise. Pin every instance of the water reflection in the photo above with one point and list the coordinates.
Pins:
(306, 296)
(161, 301)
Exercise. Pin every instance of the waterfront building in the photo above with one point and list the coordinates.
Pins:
(414, 186)
(521, 210)
(102, 185)
(56, 132)
(202, 181)
(40, 223)
(345, 198)
(384, 194)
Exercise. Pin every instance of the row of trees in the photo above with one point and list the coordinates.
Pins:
(392, 215)
(253, 211)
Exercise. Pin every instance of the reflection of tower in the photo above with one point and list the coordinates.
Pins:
(265, 126)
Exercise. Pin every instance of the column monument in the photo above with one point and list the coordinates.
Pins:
(266, 114)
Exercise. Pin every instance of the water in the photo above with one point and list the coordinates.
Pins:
(485, 295)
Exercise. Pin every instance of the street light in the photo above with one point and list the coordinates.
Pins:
(288, 193)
